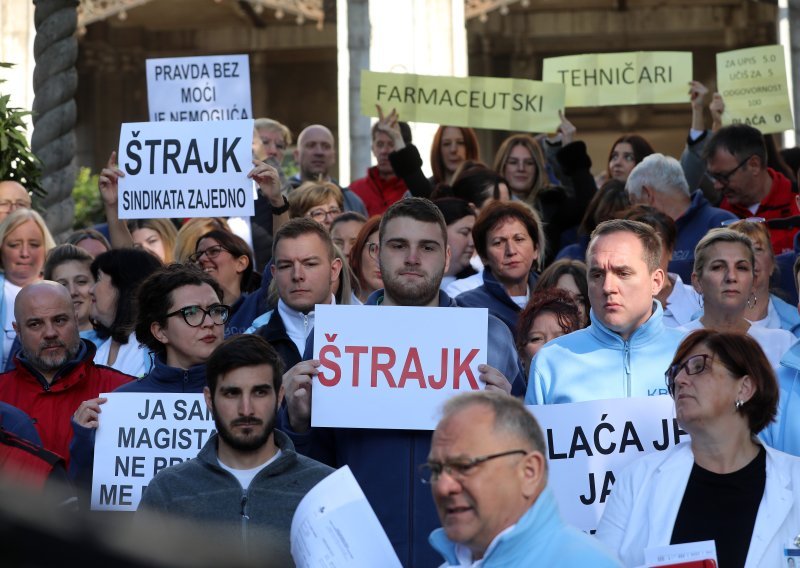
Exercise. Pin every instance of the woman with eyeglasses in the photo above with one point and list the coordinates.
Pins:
(322, 201)
(723, 485)
(191, 231)
(766, 309)
(24, 242)
(363, 260)
(117, 275)
(723, 275)
(228, 260)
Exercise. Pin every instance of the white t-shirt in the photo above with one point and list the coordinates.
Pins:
(774, 342)
(246, 476)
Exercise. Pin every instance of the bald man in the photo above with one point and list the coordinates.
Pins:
(315, 155)
(54, 371)
(12, 196)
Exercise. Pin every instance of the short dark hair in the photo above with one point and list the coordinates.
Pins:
(565, 266)
(246, 350)
(64, 253)
(348, 216)
(237, 246)
(651, 242)
(740, 140)
(474, 183)
(300, 226)
(741, 355)
(127, 268)
(556, 301)
(155, 298)
(662, 223)
(497, 212)
(417, 208)
(454, 209)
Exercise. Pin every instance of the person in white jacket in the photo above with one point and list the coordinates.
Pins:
(723, 485)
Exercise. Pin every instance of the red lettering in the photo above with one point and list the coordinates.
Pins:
(356, 351)
(462, 368)
(331, 337)
(443, 380)
(384, 368)
(415, 374)
(329, 364)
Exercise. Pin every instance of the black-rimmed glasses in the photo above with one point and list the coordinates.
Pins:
(694, 365)
(458, 469)
(194, 316)
(725, 178)
(211, 253)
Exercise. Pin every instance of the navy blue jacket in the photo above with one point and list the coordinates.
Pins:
(492, 295)
(385, 462)
(274, 331)
(14, 420)
(252, 306)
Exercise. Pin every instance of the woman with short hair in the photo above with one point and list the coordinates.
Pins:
(319, 200)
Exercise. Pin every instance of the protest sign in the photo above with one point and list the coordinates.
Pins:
(334, 526)
(139, 435)
(606, 79)
(183, 89)
(375, 372)
(590, 442)
(753, 86)
(476, 102)
(185, 169)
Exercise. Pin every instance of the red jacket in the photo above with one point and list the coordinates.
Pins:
(25, 463)
(52, 405)
(378, 193)
(779, 203)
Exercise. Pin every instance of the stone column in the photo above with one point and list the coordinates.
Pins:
(55, 81)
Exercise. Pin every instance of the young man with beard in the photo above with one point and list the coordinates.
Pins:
(413, 258)
(54, 370)
(247, 475)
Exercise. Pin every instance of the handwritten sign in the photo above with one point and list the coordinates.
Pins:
(606, 79)
(139, 435)
(590, 442)
(197, 89)
(476, 102)
(185, 169)
(753, 85)
(393, 367)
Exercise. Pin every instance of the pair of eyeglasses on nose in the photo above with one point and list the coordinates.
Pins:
(194, 316)
(319, 214)
(694, 365)
(210, 253)
(19, 204)
(432, 471)
(724, 178)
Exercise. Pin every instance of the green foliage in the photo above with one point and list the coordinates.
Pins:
(88, 205)
(17, 162)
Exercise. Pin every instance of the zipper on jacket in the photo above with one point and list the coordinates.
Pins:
(411, 504)
(185, 379)
(245, 519)
(627, 366)
(305, 324)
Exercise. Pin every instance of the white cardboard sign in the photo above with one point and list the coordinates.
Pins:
(139, 435)
(589, 443)
(185, 169)
(393, 367)
(199, 89)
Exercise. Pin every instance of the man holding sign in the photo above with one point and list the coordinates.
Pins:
(248, 474)
(413, 257)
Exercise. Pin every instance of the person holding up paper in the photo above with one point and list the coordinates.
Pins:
(413, 257)
(247, 475)
(723, 485)
(488, 475)
(626, 345)
(315, 155)
(736, 162)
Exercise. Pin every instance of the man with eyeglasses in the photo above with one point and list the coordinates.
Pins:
(247, 477)
(736, 162)
(55, 371)
(488, 475)
(659, 181)
(12, 197)
(413, 257)
(181, 320)
(315, 155)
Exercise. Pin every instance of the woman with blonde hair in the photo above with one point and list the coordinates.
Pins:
(156, 236)
(319, 200)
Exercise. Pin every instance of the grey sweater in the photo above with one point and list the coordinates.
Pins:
(200, 490)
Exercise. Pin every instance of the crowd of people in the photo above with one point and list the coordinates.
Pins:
(597, 287)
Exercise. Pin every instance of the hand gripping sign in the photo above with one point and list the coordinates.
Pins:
(185, 169)
(393, 367)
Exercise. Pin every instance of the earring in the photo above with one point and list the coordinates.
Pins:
(752, 301)
(738, 404)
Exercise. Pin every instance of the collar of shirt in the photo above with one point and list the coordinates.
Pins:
(298, 325)
(464, 554)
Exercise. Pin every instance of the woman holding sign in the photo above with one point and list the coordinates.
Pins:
(723, 485)
(724, 275)
(25, 242)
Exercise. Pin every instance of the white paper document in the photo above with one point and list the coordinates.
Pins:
(335, 527)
